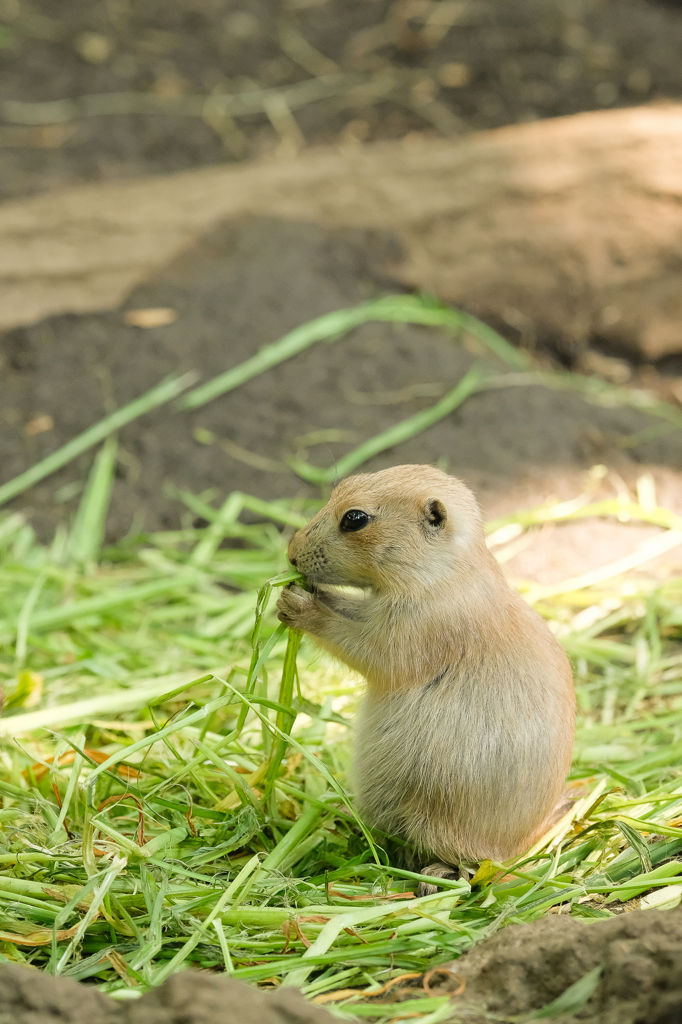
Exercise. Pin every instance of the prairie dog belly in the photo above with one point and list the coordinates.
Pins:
(453, 774)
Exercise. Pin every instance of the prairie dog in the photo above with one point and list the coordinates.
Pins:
(464, 739)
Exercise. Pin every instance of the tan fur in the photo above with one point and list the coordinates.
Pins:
(465, 735)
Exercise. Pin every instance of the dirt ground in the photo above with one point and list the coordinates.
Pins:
(525, 967)
(460, 65)
(191, 997)
(410, 66)
(466, 64)
(250, 281)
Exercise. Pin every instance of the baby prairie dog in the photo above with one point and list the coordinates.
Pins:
(465, 735)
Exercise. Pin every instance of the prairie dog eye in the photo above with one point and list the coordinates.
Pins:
(355, 519)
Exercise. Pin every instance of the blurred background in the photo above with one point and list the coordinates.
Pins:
(342, 71)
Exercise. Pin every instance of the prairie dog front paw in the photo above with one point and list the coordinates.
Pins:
(297, 608)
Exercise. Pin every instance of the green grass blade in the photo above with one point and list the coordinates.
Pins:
(54, 618)
(317, 762)
(173, 964)
(214, 533)
(158, 395)
(566, 511)
(271, 510)
(24, 619)
(610, 394)
(324, 328)
(286, 716)
(393, 308)
(167, 730)
(294, 836)
(471, 382)
(573, 999)
(145, 692)
(118, 865)
(87, 533)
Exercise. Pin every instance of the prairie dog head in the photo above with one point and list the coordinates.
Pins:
(405, 528)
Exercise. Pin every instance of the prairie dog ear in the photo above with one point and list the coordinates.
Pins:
(435, 514)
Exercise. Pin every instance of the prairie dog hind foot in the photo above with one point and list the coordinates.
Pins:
(440, 870)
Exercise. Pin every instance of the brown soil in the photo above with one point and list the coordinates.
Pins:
(524, 967)
(248, 282)
(191, 997)
(565, 233)
(513, 62)
(250, 279)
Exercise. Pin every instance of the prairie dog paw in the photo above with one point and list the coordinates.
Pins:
(437, 870)
(296, 607)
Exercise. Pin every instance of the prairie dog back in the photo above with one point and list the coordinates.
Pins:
(464, 738)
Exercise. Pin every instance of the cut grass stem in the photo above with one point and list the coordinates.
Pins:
(472, 381)
(393, 308)
(159, 395)
(87, 532)
(286, 715)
